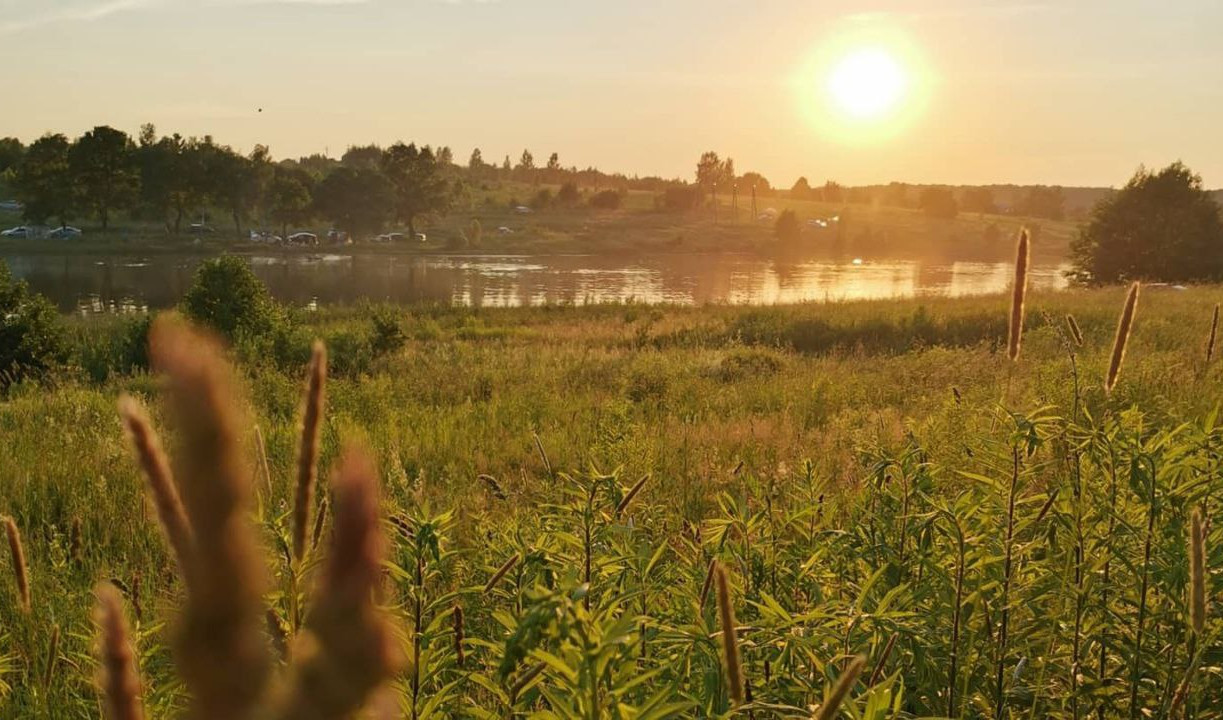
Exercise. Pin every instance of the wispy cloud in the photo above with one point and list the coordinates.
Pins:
(19, 16)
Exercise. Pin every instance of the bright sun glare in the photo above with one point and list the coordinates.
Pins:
(867, 84)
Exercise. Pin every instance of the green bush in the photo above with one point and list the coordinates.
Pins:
(227, 297)
(32, 339)
(606, 200)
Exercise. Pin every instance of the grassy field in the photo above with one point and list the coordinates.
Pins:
(636, 227)
(877, 479)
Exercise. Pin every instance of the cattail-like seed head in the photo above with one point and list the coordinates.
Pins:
(730, 641)
(458, 634)
(222, 651)
(1018, 295)
(156, 468)
(705, 586)
(1214, 334)
(307, 455)
(21, 572)
(632, 493)
(501, 571)
(881, 665)
(119, 676)
(1124, 326)
(1076, 333)
(840, 691)
(353, 650)
(1197, 573)
(52, 659)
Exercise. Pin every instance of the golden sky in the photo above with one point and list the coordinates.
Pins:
(1073, 92)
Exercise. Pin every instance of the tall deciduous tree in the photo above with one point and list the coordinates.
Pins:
(289, 200)
(420, 189)
(103, 163)
(1160, 226)
(44, 181)
(11, 152)
(358, 200)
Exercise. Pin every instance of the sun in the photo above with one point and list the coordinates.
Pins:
(867, 83)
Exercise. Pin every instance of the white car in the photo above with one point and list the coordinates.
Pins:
(522, 210)
(421, 237)
(303, 238)
(503, 230)
(21, 231)
(66, 232)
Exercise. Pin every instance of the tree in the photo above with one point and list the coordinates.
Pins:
(709, 171)
(289, 200)
(979, 200)
(419, 188)
(445, 156)
(832, 192)
(568, 195)
(756, 180)
(358, 200)
(1160, 226)
(103, 162)
(362, 156)
(801, 190)
(937, 201)
(476, 163)
(554, 162)
(238, 183)
(44, 181)
(607, 200)
(1044, 202)
(11, 152)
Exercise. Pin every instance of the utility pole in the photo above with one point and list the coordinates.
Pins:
(734, 202)
(715, 202)
(754, 213)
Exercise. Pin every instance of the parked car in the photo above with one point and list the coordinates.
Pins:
(337, 237)
(503, 230)
(21, 231)
(66, 232)
(421, 237)
(11, 205)
(391, 237)
(200, 227)
(523, 210)
(303, 238)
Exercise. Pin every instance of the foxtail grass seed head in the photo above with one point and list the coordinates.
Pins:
(156, 467)
(119, 677)
(222, 652)
(1197, 573)
(352, 649)
(840, 691)
(730, 641)
(1076, 333)
(307, 455)
(1018, 295)
(1214, 334)
(705, 587)
(501, 571)
(1124, 326)
(21, 572)
(632, 493)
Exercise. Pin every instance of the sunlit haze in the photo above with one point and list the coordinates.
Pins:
(954, 91)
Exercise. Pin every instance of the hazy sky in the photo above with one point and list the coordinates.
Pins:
(1069, 92)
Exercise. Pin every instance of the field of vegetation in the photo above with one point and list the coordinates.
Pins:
(863, 510)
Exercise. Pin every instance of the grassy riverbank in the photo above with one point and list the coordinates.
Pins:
(829, 455)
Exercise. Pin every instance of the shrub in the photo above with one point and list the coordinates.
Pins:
(747, 363)
(542, 199)
(388, 335)
(684, 198)
(606, 200)
(568, 195)
(32, 339)
(787, 228)
(227, 297)
(106, 349)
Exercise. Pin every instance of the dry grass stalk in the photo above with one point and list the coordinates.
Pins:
(21, 572)
(840, 691)
(276, 631)
(881, 665)
(1018, 294)
(501, 571)
(156, 468)
(730, 641)
(1124, 326)
(119, 677)
(352, 649)
(632, 493)
(1076, 333)
(705, 587)
(307, 455)
(262, 447)
(319, 521)
(543, 454)
(52, 659)
(1214, 334)
(222, 652)
(1197, 573)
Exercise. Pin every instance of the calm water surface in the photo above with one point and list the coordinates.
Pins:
(118, 283)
